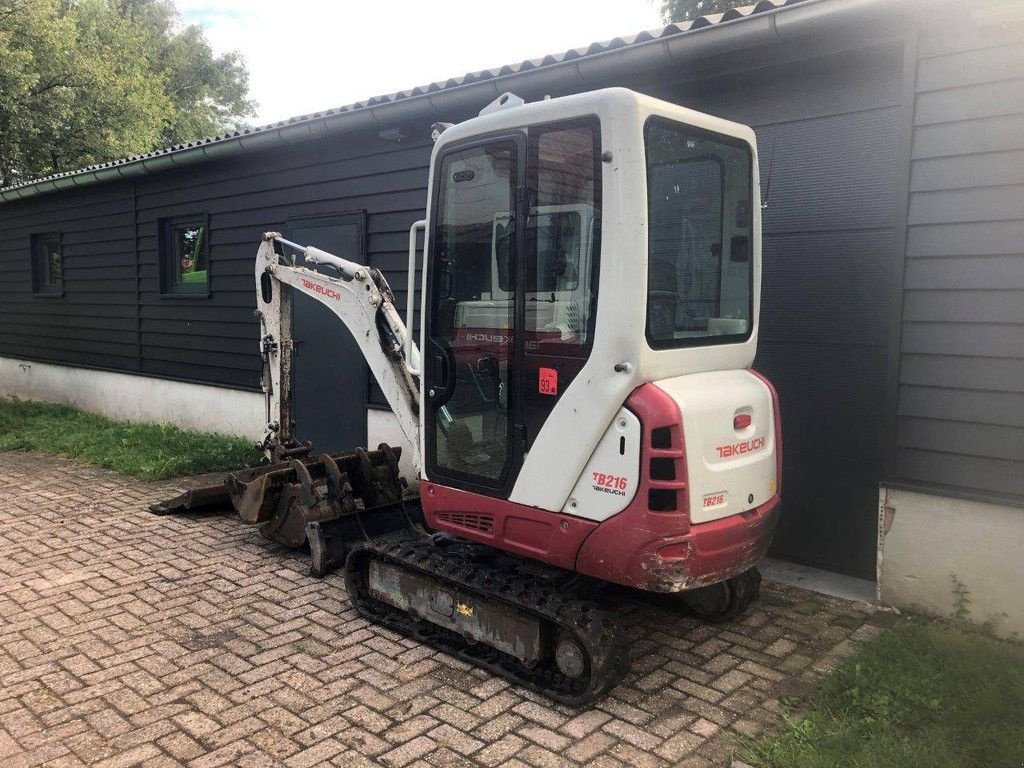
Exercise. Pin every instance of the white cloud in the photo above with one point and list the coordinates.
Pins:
(305, 55)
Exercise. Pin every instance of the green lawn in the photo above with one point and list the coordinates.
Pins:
(145, 451)
(920, 694)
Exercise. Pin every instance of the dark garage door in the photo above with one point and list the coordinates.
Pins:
(330, 375)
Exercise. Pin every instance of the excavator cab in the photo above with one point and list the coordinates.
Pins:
(583, 253)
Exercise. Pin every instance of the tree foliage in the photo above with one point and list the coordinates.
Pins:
(83, 81)
(688, 10)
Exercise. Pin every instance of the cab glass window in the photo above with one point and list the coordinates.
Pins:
(563, 176)
(699, 236)
(471, 322)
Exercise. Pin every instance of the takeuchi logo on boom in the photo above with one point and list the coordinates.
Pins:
(323, 290)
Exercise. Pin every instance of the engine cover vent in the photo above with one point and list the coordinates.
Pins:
(473, 521)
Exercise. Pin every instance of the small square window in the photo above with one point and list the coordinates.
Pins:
(184, 255)
(47, 265)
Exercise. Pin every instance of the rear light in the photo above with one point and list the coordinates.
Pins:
(741, 421)
(679, 551)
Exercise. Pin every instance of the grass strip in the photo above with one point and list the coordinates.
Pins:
(144, 451)
(920, 694)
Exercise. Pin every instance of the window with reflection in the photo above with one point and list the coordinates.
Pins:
(184, 250)
(47, 264)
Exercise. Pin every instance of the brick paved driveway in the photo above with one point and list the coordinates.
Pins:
(128, 639)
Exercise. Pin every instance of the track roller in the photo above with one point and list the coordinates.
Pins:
(726, 600)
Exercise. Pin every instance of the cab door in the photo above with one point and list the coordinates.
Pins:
(512, 296)
(470, 358)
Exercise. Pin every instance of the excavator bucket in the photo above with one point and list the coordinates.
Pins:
(286, 496)
(211, 498)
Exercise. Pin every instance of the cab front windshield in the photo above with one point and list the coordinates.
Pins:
(700, 236)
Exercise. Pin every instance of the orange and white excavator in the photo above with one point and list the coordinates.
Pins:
(580, 406)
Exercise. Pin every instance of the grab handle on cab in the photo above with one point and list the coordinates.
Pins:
(410, 299)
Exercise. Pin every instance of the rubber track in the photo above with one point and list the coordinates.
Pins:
(459, 566)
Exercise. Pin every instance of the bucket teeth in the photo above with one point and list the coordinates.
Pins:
(339, 489)
(310, 495)
(287, 526)
(286, 496)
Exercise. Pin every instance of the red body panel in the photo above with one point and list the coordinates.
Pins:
(527, 531)
(661, 551)
(652, 549)
(630, 549)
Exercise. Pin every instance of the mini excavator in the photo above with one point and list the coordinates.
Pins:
(580, 406)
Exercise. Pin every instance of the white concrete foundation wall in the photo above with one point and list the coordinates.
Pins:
(128, 397)
(925, 541)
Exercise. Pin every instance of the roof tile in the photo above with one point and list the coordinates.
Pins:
(593, 49)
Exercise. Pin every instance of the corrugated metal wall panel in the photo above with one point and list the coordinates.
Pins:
(828, 141)
(823, 287)
(827, 517)
(829, 396)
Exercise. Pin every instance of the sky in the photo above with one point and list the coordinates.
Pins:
(304, 56)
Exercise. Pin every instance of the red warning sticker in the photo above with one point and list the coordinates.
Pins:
(547, 381)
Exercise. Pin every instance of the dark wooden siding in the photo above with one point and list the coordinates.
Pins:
(112, 314)
(95, 322)
(213, 339)
(960, 411)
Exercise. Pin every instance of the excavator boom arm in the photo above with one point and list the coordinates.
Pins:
(362, 300)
